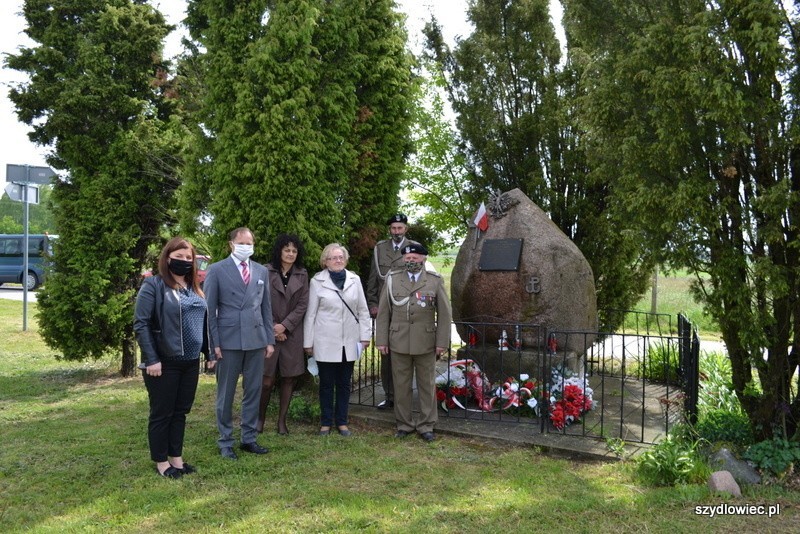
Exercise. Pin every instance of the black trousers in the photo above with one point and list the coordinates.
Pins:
(171, 398)
(334, 391)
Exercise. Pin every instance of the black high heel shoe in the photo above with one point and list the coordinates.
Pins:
(170, 472)
(187, 469)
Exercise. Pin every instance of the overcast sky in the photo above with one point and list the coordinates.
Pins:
(15, 148)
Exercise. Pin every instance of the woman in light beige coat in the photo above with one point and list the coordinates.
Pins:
(337, 328)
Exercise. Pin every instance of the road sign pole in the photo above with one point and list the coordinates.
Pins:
(25, 255)
(27, 175)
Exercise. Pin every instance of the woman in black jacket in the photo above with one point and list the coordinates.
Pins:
(171, 328)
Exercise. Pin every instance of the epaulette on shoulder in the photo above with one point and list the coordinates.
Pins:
(431, 273)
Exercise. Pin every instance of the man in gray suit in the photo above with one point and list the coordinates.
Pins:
(241, 333)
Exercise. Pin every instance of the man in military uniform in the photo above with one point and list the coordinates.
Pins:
(413, 323)
(386, 256)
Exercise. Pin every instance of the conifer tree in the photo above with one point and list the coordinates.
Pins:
(516, 113)
(93, 99)
(304, 119)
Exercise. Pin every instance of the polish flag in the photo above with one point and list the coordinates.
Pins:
(482, 218)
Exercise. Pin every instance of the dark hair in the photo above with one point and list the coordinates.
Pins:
(242, 229)
(280, 242)
(178, 243)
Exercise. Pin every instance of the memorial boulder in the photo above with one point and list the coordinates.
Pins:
(524, 270)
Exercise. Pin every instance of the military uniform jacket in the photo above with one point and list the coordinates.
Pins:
(413, 317)
(384, 259)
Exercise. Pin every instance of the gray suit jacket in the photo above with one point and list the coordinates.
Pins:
(239, 316)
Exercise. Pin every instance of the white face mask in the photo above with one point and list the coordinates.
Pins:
(242, 252)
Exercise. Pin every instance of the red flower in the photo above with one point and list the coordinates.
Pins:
(440, 395)
(557, 415)
(458, 391)
(572, 393)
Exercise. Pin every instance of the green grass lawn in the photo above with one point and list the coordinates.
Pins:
(673, 297)
(74, 458)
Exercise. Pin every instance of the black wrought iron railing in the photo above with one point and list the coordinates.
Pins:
(624, 385)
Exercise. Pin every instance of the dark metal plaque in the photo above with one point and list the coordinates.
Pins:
(500, 255)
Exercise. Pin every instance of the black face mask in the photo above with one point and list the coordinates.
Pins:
(180, 267)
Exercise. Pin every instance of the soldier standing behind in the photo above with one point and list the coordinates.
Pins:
(386, 256)
(413, 323)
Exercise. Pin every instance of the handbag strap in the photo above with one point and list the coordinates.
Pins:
(348, 307)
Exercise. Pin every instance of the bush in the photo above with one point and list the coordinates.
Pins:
(673, 461)
(726, 426)
(303, 410)
(661, 364)
(776, 455)
(716, 385)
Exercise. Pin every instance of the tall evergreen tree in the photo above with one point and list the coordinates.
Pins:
(305, 116)
(266, 167)
(366, 64)
(92, 98)
(515, 106)
(692, 107)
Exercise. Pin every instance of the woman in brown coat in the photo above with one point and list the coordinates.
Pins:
(288, 282)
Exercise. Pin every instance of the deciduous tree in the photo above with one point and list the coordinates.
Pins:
(516, 112)
(692, 107)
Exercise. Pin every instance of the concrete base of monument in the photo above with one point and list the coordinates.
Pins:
(494, 434)
(500, 364)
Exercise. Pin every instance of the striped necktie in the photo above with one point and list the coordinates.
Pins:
(245, 273)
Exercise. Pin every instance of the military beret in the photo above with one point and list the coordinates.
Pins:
(415, 248)
(397, 218)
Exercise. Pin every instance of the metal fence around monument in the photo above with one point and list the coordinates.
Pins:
(634, 384)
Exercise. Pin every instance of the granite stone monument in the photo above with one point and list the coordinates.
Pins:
(524, 270)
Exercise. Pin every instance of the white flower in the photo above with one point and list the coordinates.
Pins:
(514, 387)
(523, 377)
(532, 403)
(552, 400)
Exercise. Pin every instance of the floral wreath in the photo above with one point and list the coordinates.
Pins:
(567, 396)
(464, 379)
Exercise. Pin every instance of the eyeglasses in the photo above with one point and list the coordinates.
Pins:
(335, 258)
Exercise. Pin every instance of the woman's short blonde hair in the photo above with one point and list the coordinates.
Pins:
(327, 252)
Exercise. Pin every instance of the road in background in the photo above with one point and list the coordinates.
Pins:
(14, 292)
